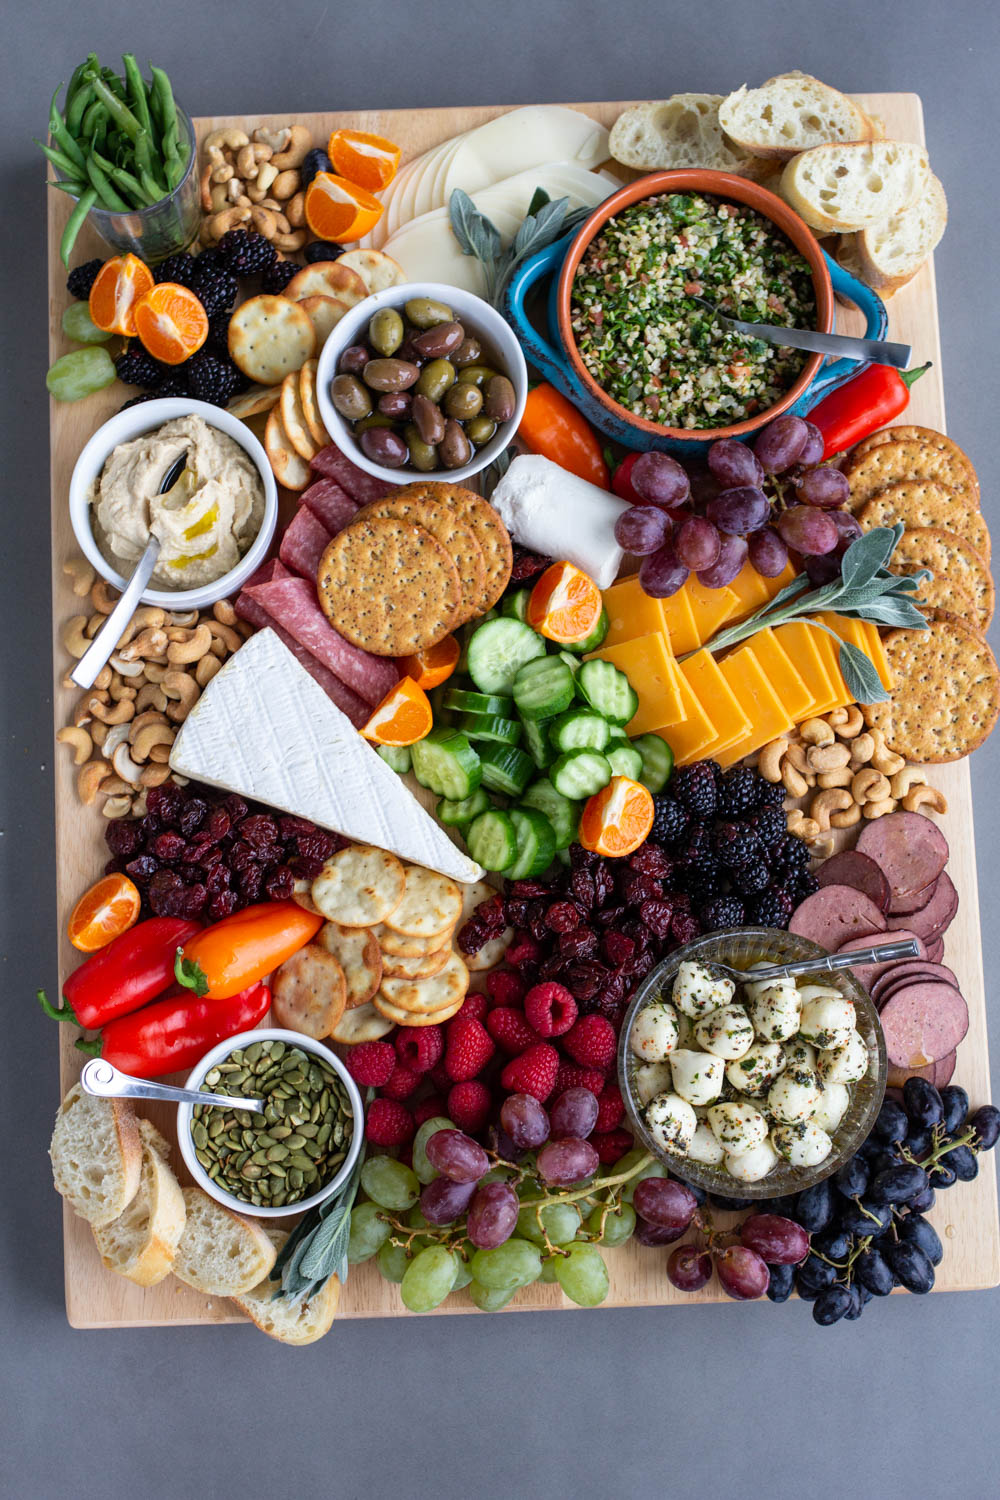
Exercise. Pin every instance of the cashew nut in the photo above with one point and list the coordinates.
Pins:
(114, 787)
(769, 763)
(155, 671)
(923, 797)
(224, 611)
(230, 218)
(226, 634)
(160, 754)
(793, 781)
(150, 642)
(294, 154)
(249, 158)
(293, 241)
(126, 668)
(150, 696)
(222, 172)
(846, 819)
(295, 209)
(120, 714)
(82, 574)
(850, 725)
(816, 732)
(840, 777)
(159, 733)
(154, 775)
(89, 779)
(263, 221)
(830, 803)
(99, 733)
(229, 136)
(92, 626)
(184, 692)
(206, 669)
(869, 785)
(284, 185)
(125, 766)
(827, 757)
(795, 756)
(83, 713)
(81, 742)
(205, 187)
(862, 749)
(73, 635)
(801, 826)
(114, 736)
(884, 759)
(823, 846)
(117, 807)
(190, 647)
(139, 805)
(879, 809)
(277, 139)
(146, 615)
(904, 780)
(121, 691)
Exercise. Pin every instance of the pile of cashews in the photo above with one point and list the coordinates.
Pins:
(122, 730)
(851, 773)
(255, 183)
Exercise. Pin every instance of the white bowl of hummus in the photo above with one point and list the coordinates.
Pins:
(215, 525)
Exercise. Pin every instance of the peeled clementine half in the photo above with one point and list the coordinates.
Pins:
(107, 910)
(565, 605)
(120, 284)
(617, 819)
(340, 210)
(369, 160)
(403, 717)
(171, 322)
(433, 665)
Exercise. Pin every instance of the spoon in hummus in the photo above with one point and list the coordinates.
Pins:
(85, 673)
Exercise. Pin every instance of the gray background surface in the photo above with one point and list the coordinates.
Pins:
(659, 1402)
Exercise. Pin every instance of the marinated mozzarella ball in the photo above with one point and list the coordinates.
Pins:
(756, 1070)
(774, 1009)
(654, 1034)
(726, 1033)
(799, 1054)
(751, 1166)
(697, 992)
(832, 1107)
(794, 1096)
(803, 1144)
(827, 1016)
(672, 1123)
(652, 1079)
(697, 1076)
(739, 1127)
(704, 1147)
(844, 1064)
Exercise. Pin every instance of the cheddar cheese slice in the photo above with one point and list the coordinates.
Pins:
(710, 608)
(828, 647)
(775, 585)
(876, 651)
(864, 635)
(688, 738)
(631, 612)
(767, 714)
(717, 699)
(680, 626)
(785, 680)
(751, 592)
(798, 642)
(650, 669)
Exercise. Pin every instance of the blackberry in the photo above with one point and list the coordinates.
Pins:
(218, 333)
(322, 250)
(180, 268)
(215, 287)
(246, 252)
(738, 793)
(702, 878)
(137, 400)
(136, 367)
(694, 788)
(699, 841)
(81, 279)
(724, 911)
(751, 879)
(770, 793)
(736, 844)
(769, 825)
(771, 908)
(314, 161)
(670, 820)
(277, 277)
(174, 385)
(212, 378)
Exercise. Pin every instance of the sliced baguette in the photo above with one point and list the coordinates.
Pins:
(141, 1243)
(301, 1322)
(220, 1252)
(789, 114)
(682, 131)
(890, 253)
(96, 1155)
(841, 189)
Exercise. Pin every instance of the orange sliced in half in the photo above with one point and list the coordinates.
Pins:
(434, 665)
(617, 819)
(340, 210)
(565, 604)
(403, 717)
(107, 910)
(120, 284)
(171, 322)
(369, 160)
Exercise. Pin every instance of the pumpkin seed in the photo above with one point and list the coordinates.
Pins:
(251, 1171)
(277, 1152)
(324, 1133)
(277, 1050)
(295, 1178)
(281, 1132)
(294, 1142)
(277, 1170)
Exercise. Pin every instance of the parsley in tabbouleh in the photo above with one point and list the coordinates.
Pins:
(662, 355)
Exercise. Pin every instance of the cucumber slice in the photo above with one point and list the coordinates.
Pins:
(446, 763)
(537, 742)
(624, 760)
(562, 855)
(441, 713)
(543, 687)
(396, 757)
(657, 761)
(579, 729)
(461, 813)
(595, 638)
(491, 727)
(573, 662)
(506, 770)
(491, 840)
(562, 813)
(608, 690)
(515, 606)
(536, 843)
(498, 650)
(580, 773)
(464, 702)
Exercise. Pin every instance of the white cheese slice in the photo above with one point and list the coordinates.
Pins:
(526, 137)
(265, 729)
(560, 515)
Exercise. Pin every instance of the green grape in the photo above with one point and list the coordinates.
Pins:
(463, 1273)
(618, 1224)
(513, 1264)
(655, 1169)
(561, 1221)
(549, 1269)
(392, 1261)
(80, 374)
(583, 1275)
(416, 1220)
(368, 1233)
(428, 1279)
(421, 1165)
(490, 1299)
(78, 324)
(390, 1183)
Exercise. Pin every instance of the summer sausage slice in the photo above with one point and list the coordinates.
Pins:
(934, 918)
(935, 950)
(866, 974)
(858, 871)
(909, 849)
(922, 1023)
(834, 915)
(938, 1073)
(910, 972)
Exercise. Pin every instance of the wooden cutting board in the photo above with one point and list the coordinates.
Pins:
(965, 1216)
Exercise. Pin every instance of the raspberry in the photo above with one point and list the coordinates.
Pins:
(523, 950)
(419, 1047)
(401, 1083)
(591, 1042)
(371, 1063)
(474, 1006)
(611, 1145)
(610, 1108)
(569, 1077)
(468, 1050)
(388, 1123)
(534, 1072)
(504, 987)
(469, 1105)
(440, 1077)
(550, 1009)
(510, 1030)
(430, 1108)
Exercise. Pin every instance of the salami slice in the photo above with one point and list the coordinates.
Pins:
(349, 703)
(934, 918)
(330, 503)
(909, 849)
(908, 973)
(834, 915)
(939, 1073)
(858, 871)
(303, 544)
(866, 974)
(361, 486)
(293, 603)
(266, 573)
(922, 1023)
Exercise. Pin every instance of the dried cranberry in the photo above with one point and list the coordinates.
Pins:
(636, 929)
(261, 833)
(222, 904)
(685, 927)
(528, 890)
(251, 882)
(317, 844)
(639, 888)
(517, 912)
(123, 836)
(604, 886)
(651, 860)
(216, 826)
(581, 884)
(618, 948)
(210, 857)
(165, 802)
(562, 916)
(165, 889)
(657, 915)
(611, 916)
(492, 915)
(169, 846)
(641, 965)
(583, 859)
(584, 980)
(234, 806)
(471, 937)
(218, 879)
(280, 884)
(580, 943)
(526, 565)
(291, 827)
(192, 816)
(143, 868)
(305, 868)
(195, 900)
(553, 966)
(524, 950)
(679, 900)
(241, 857)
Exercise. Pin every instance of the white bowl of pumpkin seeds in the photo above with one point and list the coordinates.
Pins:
(299, 1151)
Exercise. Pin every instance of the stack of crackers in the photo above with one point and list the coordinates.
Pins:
(947, 694)
(412, 567)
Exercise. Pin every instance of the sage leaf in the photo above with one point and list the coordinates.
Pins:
(859, 673)
(476, 234)
(900, 614)
(539, 198)
(325, 1248)
(867, 554)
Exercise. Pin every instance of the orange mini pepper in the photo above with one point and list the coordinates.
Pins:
(553, 427)
(223, 960)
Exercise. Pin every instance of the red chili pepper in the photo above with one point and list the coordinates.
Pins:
(135, 968)
(862, 405)
(621, 480)
(175, 1033)
(553, 427)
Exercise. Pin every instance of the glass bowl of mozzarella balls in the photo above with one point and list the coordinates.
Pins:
(751, 1090)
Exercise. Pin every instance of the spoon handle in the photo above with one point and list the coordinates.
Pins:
(882, 953)
(108, 1082)
(84, 674)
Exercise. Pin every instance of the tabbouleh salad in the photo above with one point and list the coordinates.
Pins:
(660, 354)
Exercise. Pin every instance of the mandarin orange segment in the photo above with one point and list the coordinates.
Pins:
(617, 819)
(565, 605)
(103, 913)
(120, 284)
(171, 322)
(403, 717)
(340, 210)
(434, 665)
(369, 160)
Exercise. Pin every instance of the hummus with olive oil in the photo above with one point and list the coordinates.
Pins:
(204, 524)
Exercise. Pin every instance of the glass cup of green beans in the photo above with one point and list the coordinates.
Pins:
(162, 228)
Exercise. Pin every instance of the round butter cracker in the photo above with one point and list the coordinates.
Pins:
(269, 337)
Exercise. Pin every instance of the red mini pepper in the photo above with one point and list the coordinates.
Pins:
(621, 480)
(174, 1034)
(234, 953)
(862, 405)
(553, 427)
(135, 968)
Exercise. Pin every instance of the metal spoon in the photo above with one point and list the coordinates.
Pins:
(85, 673)
(841, 344)
(882, 954)
(108, 1082)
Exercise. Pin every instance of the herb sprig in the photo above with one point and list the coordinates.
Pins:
(545, 222)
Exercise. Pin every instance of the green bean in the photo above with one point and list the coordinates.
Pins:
(76, 79)
(86, 202)
(60, 134)
(62, 163)
(137, 90)
(151, 186)
(109, 198)
(95, 109)
(163, 100)
(72, 188)
(114, 83)
(109, 169)
(77, 108)
(129, 184)
(119, 111)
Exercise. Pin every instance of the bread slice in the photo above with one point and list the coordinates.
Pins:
(141, 1242)
(301, 1322)
(789, 114)
(682, 131)
(841, 189)
(96, 1155)
(890, 253)
(220, 1252)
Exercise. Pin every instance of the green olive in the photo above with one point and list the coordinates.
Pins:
(390, 374)
(469, 352)
(462, 401)
(435, 379)
(424, 312)
(423, 456)
(480, 430)
(476, 374)
(375, 420)
(385, 331)
(350, 397)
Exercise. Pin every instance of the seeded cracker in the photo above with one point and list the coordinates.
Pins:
(430, 907)
(452, 531)
(491, 534)
(950, 558)
(269, 337)
(388, 586)
(359, 886)
(948, 696)
(309, 992)
(889, 463)
(324, 315)
(924, 502)
(940, 598)
(926, 435)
